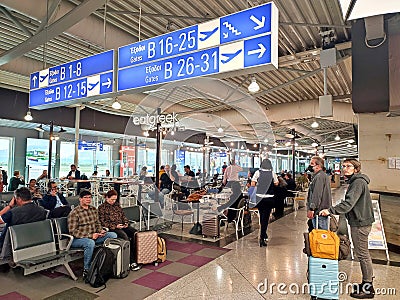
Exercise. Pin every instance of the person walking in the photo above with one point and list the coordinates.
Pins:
(264, 180)
(357, 207)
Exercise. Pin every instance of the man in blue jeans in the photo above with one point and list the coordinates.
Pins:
(84, 225)
(319, 195)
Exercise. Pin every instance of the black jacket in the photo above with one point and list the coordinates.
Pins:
(49, 202)
(77, 174)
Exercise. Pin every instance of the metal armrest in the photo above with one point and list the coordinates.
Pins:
(70, 237)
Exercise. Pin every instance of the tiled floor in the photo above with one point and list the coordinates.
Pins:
(201, 271)
(182, 258)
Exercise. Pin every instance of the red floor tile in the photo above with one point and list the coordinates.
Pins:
(195, 260)
(156, 280)
(13, 296)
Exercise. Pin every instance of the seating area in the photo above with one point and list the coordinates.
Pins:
(39, 246)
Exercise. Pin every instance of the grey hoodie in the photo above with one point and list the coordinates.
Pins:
(357, 204)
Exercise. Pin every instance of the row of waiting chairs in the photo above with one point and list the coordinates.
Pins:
(46, 244)
(39, 246)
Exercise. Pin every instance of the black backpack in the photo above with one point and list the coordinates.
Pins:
(101, 268)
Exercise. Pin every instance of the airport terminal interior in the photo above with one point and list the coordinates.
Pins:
(114, 91)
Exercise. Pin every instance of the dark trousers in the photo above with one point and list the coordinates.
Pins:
(128, 234)
(264, 207)
(59, 212)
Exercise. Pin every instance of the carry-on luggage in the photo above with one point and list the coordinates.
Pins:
(323, 282)
(146, 247)
(210, 226)
(122, 252)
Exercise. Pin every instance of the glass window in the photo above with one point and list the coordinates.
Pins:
(194, 160)
(146, 157)
(37, 156)
(6, 148)
(88, 159)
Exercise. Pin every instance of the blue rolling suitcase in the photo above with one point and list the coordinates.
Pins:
(323, 282)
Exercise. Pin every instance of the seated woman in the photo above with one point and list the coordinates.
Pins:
(34, 189)
(112, 216)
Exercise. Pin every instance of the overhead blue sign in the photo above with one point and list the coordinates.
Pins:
(182, 67)
(71, 90)
(165, 45)
(225, 58)
(86, 77)
(248, 23)
(95, 64)
(82, 145)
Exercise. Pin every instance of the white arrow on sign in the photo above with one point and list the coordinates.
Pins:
(260, 51)
(34, 80)
(107, 83)
(260, 23)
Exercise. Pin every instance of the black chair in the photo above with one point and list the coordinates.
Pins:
(134, 214)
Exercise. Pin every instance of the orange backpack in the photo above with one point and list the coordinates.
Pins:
(324, 243)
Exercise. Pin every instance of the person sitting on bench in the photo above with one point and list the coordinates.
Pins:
(84, 225)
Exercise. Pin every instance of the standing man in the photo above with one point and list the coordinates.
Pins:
(319, 195)
(188, 180)
(74, 173)
(231, 180)
(20, 210)
(84, 225)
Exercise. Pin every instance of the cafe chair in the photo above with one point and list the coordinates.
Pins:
(181, 210)
(151, 210)
(238, 220)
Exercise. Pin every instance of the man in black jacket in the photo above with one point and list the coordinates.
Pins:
(25, 211)
(55, 202)
(74, 173)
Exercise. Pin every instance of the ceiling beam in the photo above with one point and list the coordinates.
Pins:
(80, 12)
(314, 25)
(7, 13)
(49, 15)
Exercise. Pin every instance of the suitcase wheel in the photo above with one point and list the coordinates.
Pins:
(156, 263)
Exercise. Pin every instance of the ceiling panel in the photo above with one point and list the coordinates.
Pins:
(299, 44)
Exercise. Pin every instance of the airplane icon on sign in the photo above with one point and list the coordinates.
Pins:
(93, 85)
(42, 78)
(230, 56)
(207, 34)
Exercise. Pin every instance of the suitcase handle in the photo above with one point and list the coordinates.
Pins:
(329, 222)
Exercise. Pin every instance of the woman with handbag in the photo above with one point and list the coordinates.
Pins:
(357, 206)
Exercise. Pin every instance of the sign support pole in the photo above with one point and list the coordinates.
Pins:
(77, 123)
(50, 149)
(158, 155)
